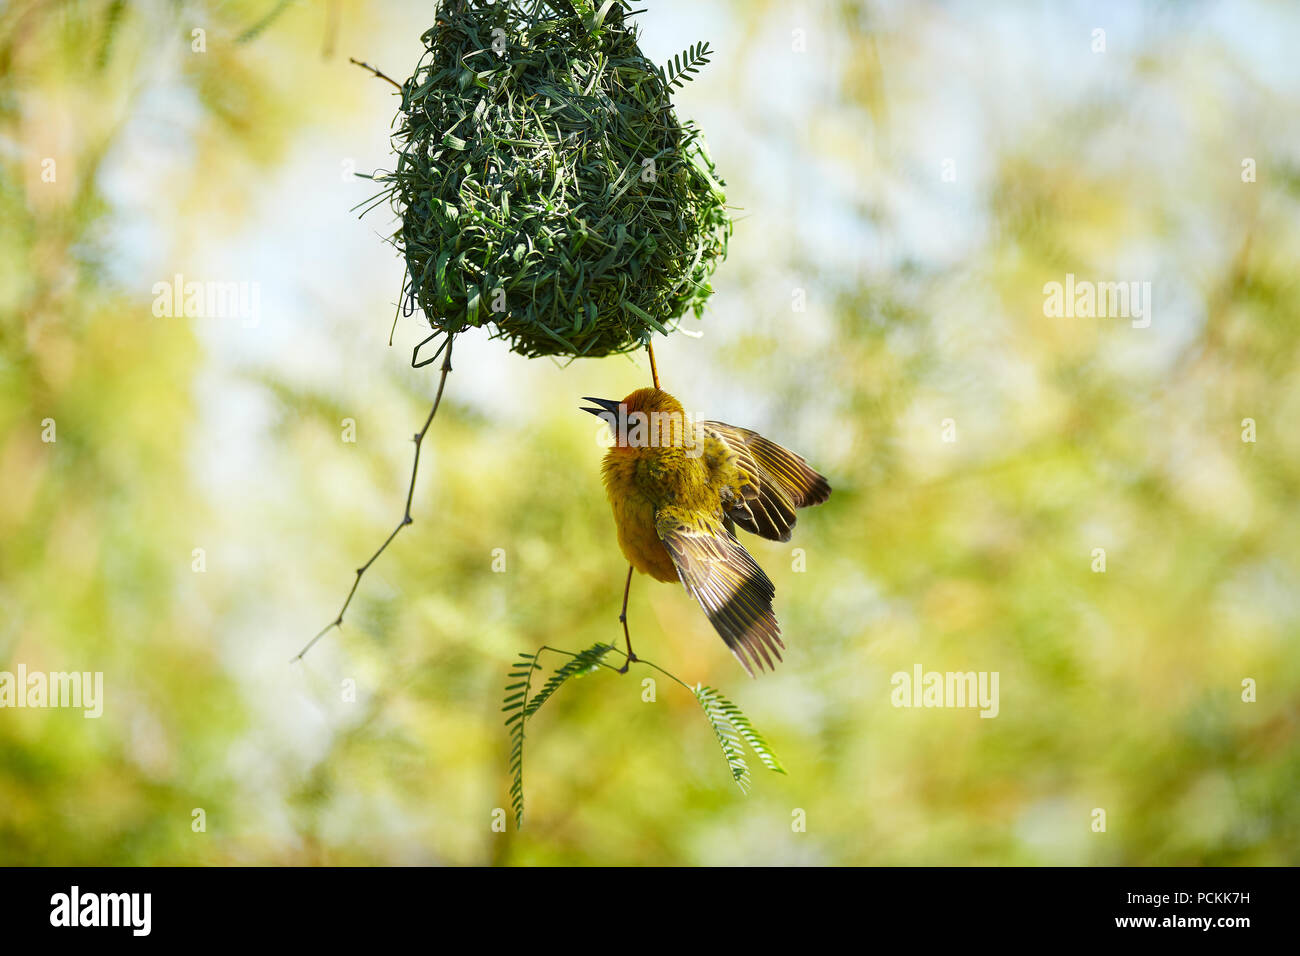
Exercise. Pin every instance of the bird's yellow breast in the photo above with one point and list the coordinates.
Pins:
(640, 482)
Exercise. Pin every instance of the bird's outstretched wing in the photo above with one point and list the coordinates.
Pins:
(774, 482)
(720, 574)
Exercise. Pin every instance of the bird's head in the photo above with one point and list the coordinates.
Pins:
(649, 417)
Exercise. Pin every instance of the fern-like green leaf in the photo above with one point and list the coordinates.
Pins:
(576, 666)
(518, 706)
(521, 676)
(736, 717)
(685, 65)
(731, 726)
(711, 701)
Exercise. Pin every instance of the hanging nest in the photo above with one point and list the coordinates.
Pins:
(546, 189)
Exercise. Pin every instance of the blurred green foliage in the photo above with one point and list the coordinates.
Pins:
(1119, 690)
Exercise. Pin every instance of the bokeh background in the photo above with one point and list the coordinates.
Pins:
(908, 175)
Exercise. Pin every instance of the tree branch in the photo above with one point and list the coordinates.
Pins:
(381, 75)
(406, 515)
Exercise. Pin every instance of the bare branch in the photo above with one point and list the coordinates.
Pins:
(378, 73)
(406, 515)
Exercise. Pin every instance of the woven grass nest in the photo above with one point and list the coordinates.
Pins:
(545, 186)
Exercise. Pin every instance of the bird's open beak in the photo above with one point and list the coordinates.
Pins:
(608, 406)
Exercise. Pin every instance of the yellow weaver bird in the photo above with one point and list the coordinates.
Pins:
(679, 489)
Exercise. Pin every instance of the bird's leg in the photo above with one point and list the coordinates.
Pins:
(622, 619)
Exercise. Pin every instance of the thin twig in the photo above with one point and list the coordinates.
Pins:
(616, 670)
(406, 515)
(378, 73)
(654, 369)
